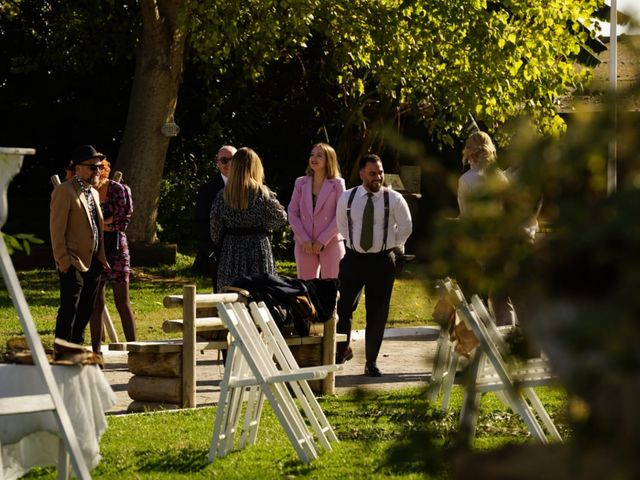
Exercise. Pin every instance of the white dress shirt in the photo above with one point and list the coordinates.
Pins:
(399, 219)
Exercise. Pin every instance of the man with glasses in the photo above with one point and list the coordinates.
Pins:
(205, 262)
(76, 229)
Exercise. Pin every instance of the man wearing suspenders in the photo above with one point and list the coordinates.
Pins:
(375, 222)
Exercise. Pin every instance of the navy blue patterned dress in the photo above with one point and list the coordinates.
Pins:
(242, 236)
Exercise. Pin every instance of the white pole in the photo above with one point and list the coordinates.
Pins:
(613, 83)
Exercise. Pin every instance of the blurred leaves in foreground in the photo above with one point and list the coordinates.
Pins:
(576, 289)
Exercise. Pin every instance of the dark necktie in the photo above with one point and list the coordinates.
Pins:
(93, 214)
(366, 236)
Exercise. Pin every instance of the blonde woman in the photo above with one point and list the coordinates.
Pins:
(312, 215)
(480, 197)
(483, 179)
(242, 216)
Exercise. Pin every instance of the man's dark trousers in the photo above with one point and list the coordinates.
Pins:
(376, 273)
(78, 291)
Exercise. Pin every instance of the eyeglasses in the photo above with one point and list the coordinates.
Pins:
(223, 160)
(93, 166)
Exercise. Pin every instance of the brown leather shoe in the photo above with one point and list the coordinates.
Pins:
(372, 370)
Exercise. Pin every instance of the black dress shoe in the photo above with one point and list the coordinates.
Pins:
(345, 357)
(348, 354)
(372, 370)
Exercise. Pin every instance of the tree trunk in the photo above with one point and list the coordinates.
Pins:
(158, 74)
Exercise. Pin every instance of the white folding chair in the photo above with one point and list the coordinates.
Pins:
(251, 374)
(277, 346)
(445, 365)
(513, 381)
(447, 362)
(526, 374)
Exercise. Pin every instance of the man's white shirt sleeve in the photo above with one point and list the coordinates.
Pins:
(402, 219)
(341, 216)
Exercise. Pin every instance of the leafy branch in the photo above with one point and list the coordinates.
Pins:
(20, 241)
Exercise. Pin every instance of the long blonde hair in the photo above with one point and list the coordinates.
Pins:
(331, 166)
(480, 148)
(246, 179)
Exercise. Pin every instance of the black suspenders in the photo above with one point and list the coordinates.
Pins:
(385, 193)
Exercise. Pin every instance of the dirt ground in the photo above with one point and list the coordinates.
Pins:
(405, 359)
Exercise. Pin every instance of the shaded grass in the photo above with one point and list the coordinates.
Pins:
(411, 303)
(393, 434)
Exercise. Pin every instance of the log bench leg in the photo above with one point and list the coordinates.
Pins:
(189, 347)
(329, 355)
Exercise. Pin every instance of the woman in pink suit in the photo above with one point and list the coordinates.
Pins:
(312, 215)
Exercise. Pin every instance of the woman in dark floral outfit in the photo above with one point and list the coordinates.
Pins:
(117, 207)
(242, 216)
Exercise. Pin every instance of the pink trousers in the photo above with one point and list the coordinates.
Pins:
(324, 265)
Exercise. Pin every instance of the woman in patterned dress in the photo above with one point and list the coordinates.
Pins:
(115, 200)
(242, 216)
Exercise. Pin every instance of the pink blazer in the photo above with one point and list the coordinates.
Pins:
(319, 224)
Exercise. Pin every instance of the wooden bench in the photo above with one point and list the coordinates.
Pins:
(165, 370)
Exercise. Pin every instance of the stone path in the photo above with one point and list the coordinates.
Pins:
(405, 359)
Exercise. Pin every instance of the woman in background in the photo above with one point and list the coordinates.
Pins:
(481, 187)
(242, 216)
(481, 191)
(312, 216)
(117, 207)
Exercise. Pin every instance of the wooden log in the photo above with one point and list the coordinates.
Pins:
(329, 353)
(203, 300)
(202, 325)
(189, 341)
(166, 346)
(159, 346)
(307, 355)
(141, 407)
(155, 389)
(155, 364)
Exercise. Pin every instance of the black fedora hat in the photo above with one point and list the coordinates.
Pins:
(83, 153)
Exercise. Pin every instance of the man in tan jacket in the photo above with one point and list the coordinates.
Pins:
(77, 241)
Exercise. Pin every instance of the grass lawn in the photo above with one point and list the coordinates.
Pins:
(410, 303)
(392, 434)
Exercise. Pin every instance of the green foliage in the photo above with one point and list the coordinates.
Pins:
(282, 243)
(386, 59)
(178, 193)
(497, 61)
(20, 241)
(249, 33)
(65, 35)
(279, 75)
(177, 200)
(574, 289)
